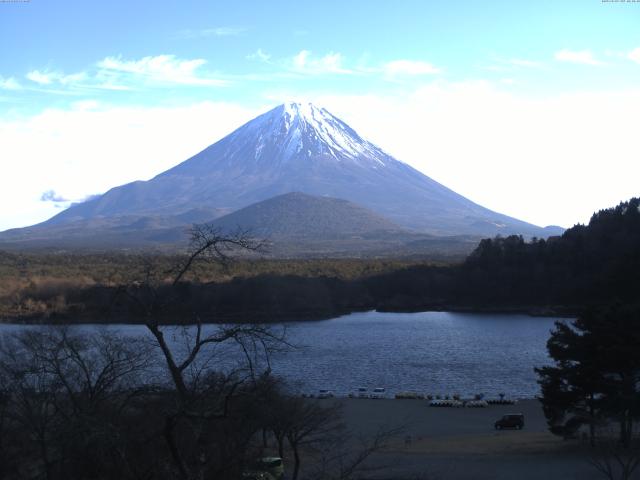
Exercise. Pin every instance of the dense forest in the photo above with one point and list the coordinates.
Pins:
(588, 265)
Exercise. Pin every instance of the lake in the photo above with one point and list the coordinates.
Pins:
(434, 353)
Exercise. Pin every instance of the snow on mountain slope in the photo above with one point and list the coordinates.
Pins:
(330, 133)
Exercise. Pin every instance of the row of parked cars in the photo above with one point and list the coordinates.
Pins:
(459, 403)
(456, 401)
(361, 392)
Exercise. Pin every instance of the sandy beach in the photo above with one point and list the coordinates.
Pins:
(461, 443)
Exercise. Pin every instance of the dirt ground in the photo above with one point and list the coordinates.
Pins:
(461, 443)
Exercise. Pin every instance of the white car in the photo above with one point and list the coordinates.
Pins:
(325, 394)
(362, 393)
(379, 392)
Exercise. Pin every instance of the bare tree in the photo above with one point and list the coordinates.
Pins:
(33, 396)
(313, 430)
(612, 458)
(199, 397)
(210, 245)
(309, 425)
(65, 395)
(347, 457)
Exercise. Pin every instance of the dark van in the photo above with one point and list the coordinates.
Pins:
(511, 420)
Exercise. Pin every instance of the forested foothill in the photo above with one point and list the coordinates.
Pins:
(588, 265)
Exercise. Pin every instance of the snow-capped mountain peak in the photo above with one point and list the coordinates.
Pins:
(307, 112)
(303, 129)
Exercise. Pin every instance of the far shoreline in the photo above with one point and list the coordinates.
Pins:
(267, 319)
(288, 317)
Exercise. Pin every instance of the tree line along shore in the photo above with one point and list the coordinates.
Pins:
(588, 265)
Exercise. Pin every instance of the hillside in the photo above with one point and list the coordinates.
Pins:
(300, 215)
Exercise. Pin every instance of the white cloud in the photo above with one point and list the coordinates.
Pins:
(212, 32)
(113, 73)
(300, 60)
(50, 78)
(331, 63)
(117, 74)
(52, 196)
(304, 62)
(72, 78)
(85, 105)
(9, 83)
(40, 78)
(92, 148)
(225, 31)
(584, 57)
(634, 55)
(615, 53)
(410, 67)
(162, 69)
(259, 55)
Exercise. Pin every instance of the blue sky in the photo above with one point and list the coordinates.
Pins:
(474, 94)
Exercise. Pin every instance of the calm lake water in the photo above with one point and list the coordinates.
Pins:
(431, 352)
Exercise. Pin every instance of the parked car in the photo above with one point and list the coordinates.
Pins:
(511, 420)
(266, 468)
(379, 392)
(362, 393)
(325, 394)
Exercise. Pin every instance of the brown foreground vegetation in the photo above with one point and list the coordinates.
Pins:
(80, 287)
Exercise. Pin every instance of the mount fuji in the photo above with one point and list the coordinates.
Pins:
(294, 147)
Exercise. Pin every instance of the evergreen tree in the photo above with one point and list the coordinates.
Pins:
(596, 376)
